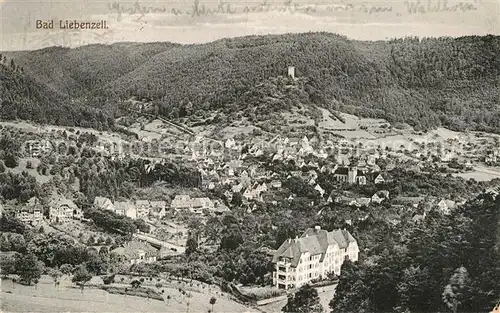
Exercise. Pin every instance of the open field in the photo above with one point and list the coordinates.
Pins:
(352, 126)
(41, 179)
(66, 298)
(481, 173)
(47, 298)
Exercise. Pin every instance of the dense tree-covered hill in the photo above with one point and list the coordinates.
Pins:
(77, 71)
(426, 82)
(441, 263)
(22, 97)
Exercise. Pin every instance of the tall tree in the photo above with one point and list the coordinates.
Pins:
(56, 275)
(192, 242)
(212, 302)
(81, 276)
(28, 267)
(305, 300)
(457, 289)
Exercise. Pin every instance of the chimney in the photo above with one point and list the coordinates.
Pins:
(291, 71)
(317, 227)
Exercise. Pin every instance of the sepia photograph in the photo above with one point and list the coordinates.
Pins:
(257, 156)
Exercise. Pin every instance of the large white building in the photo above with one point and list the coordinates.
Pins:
(312, 256)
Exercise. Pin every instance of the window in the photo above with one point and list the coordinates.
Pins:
(310, 275)
(310, 266)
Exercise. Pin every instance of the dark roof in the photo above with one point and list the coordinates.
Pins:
(341, 171)
(314, 241)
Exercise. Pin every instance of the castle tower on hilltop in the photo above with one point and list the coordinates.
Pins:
(291, 71)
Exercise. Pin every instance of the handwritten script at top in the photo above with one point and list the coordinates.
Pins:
(197, 8)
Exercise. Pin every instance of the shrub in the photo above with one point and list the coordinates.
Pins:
(108, 279)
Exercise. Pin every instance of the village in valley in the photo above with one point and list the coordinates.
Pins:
(149, 206)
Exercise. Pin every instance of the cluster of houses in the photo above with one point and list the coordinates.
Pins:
(60, 210)
(197, 205)
(157, 209)
(416, 207)
(133, 209)
(233, 175)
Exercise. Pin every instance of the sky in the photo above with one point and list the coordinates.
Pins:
(199, 21)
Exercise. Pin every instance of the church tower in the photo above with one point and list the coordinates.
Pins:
(351, 174)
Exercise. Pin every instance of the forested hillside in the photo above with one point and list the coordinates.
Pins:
(83, 69)
(427, 83)
(442, 263)
(21, 97)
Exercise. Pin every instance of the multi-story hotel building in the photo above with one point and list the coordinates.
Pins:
(312, 256)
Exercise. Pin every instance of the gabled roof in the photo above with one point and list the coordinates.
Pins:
(124, 205)
(160, 204)
(363, 201)
(313, 241)
(341, 171)
(103, 203)
(140, 203)
(57, 201)
(132, 249)
(447, 203)
(382, 193)
(202, 202)
(361, 173)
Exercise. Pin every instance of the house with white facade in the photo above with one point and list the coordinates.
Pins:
(126, 208)
(276, 184)
(62, 210)
(195, 205)
(312, 256)
(103, 203)
(158, 208)
(380, 196)
(445, 206)
(32, 213)
(181, 202)
(136, 252)
(143, 207)
(200, 204)
(379, 179)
